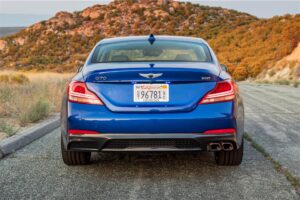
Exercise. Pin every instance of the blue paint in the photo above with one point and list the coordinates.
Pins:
(182, 114)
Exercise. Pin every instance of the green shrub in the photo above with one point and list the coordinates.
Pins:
(282, 82)
(272, 73)
(37, 111)
(296, 84)
(7, 128)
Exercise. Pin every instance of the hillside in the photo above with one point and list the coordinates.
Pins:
(286, 69)
(242, 41)
(248, 50)
(63, 42)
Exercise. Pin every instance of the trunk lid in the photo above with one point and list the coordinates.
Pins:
(114, 84)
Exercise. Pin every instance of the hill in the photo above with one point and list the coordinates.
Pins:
(242, 41)
(250, 49)
(285, 70)
(63, 42)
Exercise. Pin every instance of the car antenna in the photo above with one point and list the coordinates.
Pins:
(151, 39)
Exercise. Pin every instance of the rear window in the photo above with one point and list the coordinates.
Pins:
(159, 51)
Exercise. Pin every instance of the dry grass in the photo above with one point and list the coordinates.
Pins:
(29, 97)
(294, 83)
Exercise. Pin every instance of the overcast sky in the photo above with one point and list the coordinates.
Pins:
(25, 13)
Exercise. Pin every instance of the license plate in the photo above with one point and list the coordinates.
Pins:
(151, 93)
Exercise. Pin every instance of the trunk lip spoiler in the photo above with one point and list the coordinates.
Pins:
(205, 74)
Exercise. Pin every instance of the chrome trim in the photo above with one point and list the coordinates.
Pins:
(151, 75)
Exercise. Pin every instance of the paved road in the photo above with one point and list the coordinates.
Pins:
(37, 172)
(273, 120)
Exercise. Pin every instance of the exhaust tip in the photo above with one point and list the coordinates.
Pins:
(227, 146)
(214, 147)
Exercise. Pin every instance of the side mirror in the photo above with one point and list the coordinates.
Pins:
(224, 67)
(79, 69)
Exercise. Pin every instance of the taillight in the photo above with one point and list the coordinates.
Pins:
(224, 91)
(81, 132)
(221, 131)
(79, 93)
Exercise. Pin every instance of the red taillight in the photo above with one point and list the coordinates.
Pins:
(79, 93)
(224, 91)
(221, 131)
(81, 132)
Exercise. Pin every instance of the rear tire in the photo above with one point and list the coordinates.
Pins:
(229, 158)
(74, 157)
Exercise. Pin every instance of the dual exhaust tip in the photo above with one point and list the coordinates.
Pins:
(226, 146)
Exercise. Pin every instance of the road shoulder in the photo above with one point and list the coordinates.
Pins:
(25, 137)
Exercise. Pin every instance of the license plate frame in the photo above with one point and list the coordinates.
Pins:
(151, 93)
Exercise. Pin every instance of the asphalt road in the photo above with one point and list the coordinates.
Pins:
(37, 171)
(273, 120)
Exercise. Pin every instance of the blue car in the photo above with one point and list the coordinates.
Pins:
(152, 94)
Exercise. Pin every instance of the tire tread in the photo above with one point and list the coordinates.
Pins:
(74, 157)
(228, 158)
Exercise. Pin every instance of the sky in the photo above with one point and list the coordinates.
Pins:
(25, 12)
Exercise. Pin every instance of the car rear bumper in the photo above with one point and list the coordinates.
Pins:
(100, 119)
(146, 142)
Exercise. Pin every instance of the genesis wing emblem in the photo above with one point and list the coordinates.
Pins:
(151, 75)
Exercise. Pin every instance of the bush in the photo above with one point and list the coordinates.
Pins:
(37, 111)
(282, 82)
(6, 128)
(21, 104)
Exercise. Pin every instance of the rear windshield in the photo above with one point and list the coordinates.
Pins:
(143, 51)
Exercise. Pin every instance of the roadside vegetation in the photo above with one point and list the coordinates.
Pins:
(293, 83)
(27, 97)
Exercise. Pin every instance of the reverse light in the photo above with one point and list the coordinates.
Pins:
(81, 132)
(221, 131)
(224, 91)
(79, 93)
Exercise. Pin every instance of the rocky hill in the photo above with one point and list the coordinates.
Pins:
(242, 41)
(285, 70)
(250, 49)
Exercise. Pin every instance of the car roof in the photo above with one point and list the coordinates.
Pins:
(146, 37)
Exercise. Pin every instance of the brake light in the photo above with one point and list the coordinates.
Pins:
(221, 131)
(79, 93)
(81, 132)
(224, 91)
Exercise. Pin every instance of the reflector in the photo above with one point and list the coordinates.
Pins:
(81, 132)
(221, 131)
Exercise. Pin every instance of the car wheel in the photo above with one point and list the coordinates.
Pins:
(228, 158)
(74, 157)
